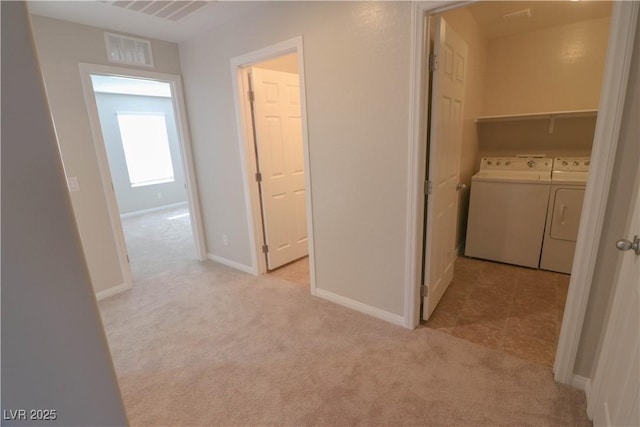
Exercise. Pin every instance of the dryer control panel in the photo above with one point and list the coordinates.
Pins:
(571, 169)
(571, 164)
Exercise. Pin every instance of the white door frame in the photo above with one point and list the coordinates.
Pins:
(622, 27)
(244, 123)
(86, 70)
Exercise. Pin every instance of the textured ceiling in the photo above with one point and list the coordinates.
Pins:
(544, 14)
(174, 21)
(179, 20)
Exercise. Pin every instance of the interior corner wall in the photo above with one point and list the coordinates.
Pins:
(55, 354)
(357, 71)
(553, 69)
(615, 223)
(133, 199)
(61, 45)
(463, 23)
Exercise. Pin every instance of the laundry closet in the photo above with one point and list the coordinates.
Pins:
(532, 74)
(532, 88)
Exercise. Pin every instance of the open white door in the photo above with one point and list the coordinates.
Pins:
(445, 140)
(278, 131)
(616, 384)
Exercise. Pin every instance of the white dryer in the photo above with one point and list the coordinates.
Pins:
(507, 210)
(568, 181)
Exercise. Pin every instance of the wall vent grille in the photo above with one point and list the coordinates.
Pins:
(128, 50)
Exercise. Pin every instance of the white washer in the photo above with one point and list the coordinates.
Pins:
(568, 180)
(507, 210)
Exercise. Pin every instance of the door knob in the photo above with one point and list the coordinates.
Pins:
(461, 187)
(625, 245)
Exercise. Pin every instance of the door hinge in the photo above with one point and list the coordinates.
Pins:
(433, 62)
(258, 177)
(424, 291)
(128, 259)
(265, 249)
(251, 95)
(428, 187)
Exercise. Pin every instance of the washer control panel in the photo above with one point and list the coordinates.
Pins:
(515, 164)
(571, 164)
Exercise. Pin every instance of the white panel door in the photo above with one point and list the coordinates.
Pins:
(278, 127)
(444, 162)
(616, 384)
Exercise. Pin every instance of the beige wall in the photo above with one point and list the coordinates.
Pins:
(285, 63)
(554, 69)
(463, 23)
(61, 46)
(54, 349)
(356, 57)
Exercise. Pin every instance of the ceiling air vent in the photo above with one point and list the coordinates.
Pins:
(172, 10)
(128, 50)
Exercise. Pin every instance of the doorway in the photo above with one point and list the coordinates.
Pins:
(493, 300)
(275, 113)
(146, 167)
(271, 114)
(614, 87)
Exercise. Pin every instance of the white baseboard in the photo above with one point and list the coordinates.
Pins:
(362, 308)
(581, 383)
(584, 384)
(112, 291)
(245, 268)
(151, 210)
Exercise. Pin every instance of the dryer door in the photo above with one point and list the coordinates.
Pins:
(566, 213)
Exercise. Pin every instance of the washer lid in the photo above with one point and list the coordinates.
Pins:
(513, 176)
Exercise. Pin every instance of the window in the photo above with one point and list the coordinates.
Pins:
(146, 148)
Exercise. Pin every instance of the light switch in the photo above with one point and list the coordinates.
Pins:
(74, 186)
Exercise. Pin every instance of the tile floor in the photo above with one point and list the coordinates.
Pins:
(508, 308)
(296, 271)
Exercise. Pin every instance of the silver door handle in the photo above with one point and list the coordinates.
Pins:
(461, 187)
(625, 245)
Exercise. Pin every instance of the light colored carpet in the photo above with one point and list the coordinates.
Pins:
(159, 241)
(203, 344)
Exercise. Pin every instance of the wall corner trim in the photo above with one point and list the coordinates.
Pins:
(362, 308)
(233, 264)
(114, 290)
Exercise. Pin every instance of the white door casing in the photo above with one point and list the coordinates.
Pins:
(616, 387)
(445, 141)
(280, 158)
(86, 70)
